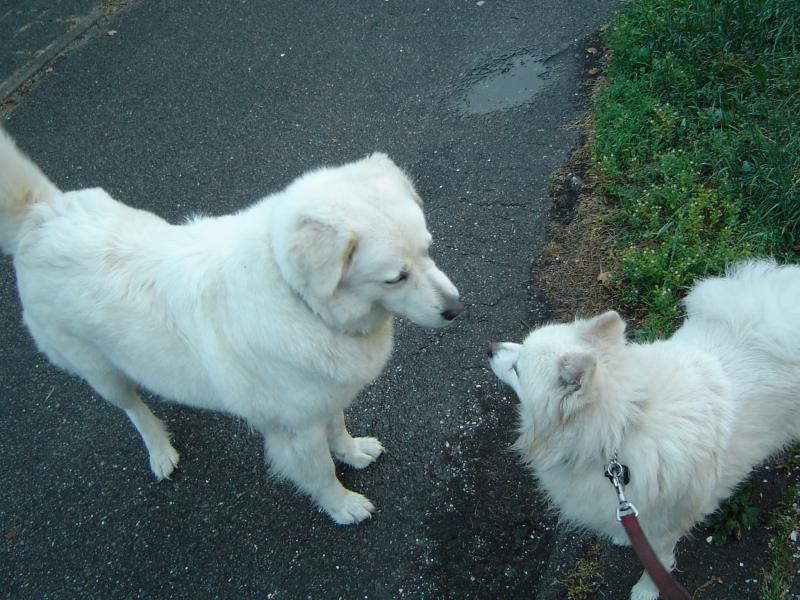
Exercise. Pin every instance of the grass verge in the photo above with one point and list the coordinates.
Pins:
(696, 153)
(697, 144)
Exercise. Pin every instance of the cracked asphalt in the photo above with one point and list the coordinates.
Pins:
(205, 107)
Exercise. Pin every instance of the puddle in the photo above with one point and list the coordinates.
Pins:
(513, 83)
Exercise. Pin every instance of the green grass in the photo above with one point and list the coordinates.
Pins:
(697, 151)
(776, 580)
(698, 143)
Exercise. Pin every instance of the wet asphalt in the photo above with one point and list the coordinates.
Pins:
(204, 107)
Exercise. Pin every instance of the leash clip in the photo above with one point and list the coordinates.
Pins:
(619, 476)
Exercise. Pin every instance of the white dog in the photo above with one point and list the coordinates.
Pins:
(279, 314)
(690, 416)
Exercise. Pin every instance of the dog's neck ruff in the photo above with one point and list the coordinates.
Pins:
(364, 325)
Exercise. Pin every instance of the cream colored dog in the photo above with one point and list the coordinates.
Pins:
(690, 416)
(279, 314)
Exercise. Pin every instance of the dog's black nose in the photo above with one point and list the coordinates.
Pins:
(493, 348)
(452, 312)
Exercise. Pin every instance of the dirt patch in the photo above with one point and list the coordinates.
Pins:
(572, 273)
(497, 543)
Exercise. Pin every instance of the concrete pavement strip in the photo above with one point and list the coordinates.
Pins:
(44, 56)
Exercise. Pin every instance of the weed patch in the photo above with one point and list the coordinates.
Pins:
(734, 516)
(783, 546)
(585, 578)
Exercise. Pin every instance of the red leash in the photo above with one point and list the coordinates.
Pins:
(665, 582)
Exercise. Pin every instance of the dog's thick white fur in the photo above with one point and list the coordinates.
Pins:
(279, 314)
(690, 416)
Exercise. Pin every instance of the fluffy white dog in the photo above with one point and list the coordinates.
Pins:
(690, 416)
(279, 314)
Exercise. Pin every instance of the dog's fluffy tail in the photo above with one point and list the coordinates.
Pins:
(22, 184)
(755, 295)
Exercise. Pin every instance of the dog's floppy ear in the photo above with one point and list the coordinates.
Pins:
(607, 327)
(320, 255)
(575, 368)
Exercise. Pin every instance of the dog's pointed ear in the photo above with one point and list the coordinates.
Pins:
(607, 327)
(575, 369)
(320, 255)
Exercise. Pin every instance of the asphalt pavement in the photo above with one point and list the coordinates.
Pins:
(206, 106)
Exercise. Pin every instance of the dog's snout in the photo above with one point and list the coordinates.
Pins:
(451, 313)
(494, 348)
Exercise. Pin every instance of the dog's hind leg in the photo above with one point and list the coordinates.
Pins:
(76, 356)
(303, 457)
(645, 588)
(113, 386)
(357, 452)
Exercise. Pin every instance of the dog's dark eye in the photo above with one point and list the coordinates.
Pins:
(401, 277)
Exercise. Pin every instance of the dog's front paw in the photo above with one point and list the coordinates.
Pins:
(163, 461)
(645, 589)
(364, 452)
(354, 508)
(621, 542)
